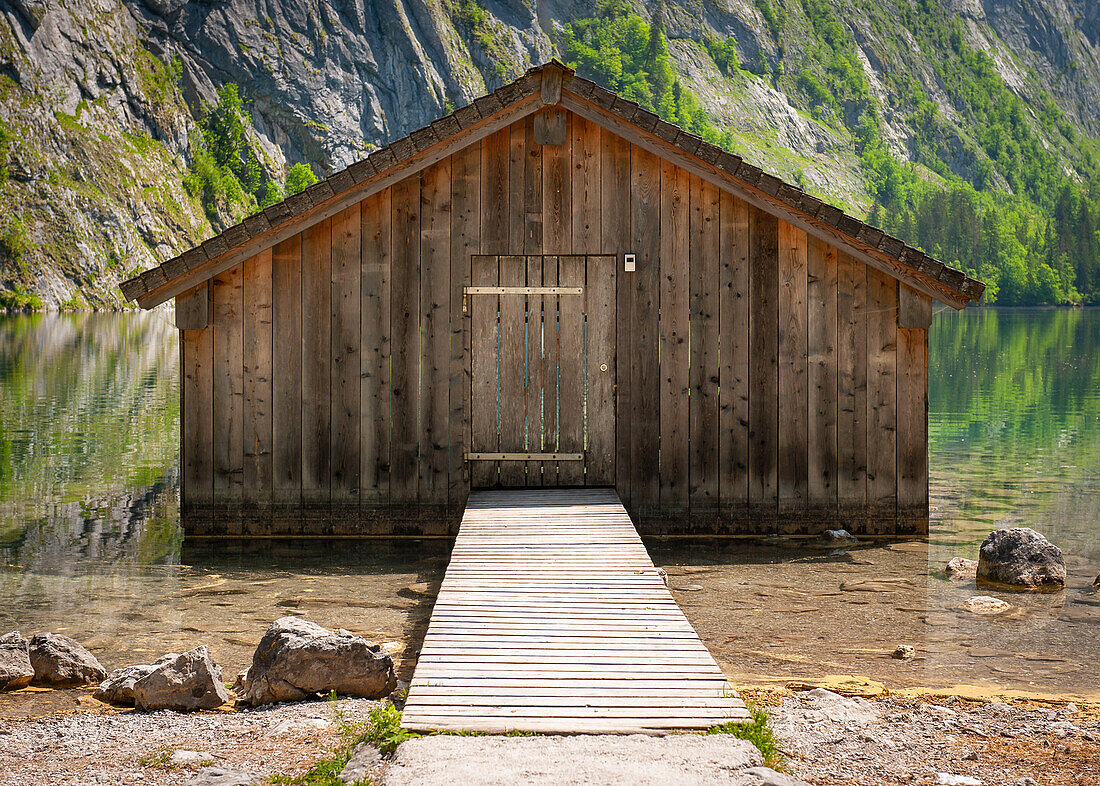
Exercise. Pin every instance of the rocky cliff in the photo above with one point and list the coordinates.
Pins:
(100, 100)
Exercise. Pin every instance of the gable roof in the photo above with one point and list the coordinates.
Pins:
(547, 85)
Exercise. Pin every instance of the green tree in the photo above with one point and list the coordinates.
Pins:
(299, 178)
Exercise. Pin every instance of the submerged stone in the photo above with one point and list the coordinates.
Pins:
(16, 670)
(961, 569)
(59, 661)
(984, 604)
(1021, 557)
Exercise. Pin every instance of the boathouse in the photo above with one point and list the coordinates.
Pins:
(553, 287)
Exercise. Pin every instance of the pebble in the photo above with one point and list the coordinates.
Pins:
(904, 652)
(947, 779)
(984, 604)
(690, 588)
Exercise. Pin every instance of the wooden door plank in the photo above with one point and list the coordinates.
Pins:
(228, 321)
(615, 218)
(705, 281)
(316, 367)
(793, 395)
(485, 430)
(645, 202)
(286, 404)
(763, 370)
(571, 370)
(513, 339)
(345, 369)
(676, 269)
(375, 396)
(882, 391)
(821, 460)
(852, 393)
(465, 241)
(733, 374)
(551, 355)
(536, 370)
(435, 347)
(599, 295)
(405, 331)
(257, 348)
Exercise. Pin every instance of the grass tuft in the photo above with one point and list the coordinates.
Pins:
(758, 732)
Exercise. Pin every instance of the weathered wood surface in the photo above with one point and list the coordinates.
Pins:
(756, 378)
(551, 617)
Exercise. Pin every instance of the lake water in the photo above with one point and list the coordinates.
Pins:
(90, 543)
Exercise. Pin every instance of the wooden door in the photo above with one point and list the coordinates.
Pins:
(542, 370)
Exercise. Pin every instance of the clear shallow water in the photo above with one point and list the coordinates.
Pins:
(90, 543)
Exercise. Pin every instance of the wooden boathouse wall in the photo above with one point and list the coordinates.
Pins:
(764, 381)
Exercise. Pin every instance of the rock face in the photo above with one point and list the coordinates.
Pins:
(1021, 557)
(118, 688)
(961, 569)
(191, 681)
(59, 661)
(16, 670)
(297, 659)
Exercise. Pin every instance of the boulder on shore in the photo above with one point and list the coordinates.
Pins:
(118, 688)
(192, 681)
(297, 659)
(1021, 557)
(16, 670)
(961, 569)
(61, 662)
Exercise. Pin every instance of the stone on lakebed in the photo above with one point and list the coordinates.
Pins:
(192, 681)
(984, 604)
(61, 662)
(961, 569)
(1022, 558)
(297, 659)
(118, 688)
(16, 670)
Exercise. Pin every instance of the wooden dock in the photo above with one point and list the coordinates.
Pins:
(553, 618)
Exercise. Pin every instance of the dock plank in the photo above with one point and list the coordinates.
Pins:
(552, 617)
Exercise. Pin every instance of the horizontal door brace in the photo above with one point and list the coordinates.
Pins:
(523, 290)
(525, 457)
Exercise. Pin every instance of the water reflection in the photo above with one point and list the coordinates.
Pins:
(90, 542)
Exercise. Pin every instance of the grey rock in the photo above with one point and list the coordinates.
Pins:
(190, 682)
(766, 776)
(837, 537)
(59, 661)
(118, 688)
(223, 776)
(961, 569)
(16, 670)
(904, 652)
(626, 760)
(364, 761)
(297, 659)
(1021, 557)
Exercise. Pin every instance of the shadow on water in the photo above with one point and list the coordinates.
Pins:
(91, 543)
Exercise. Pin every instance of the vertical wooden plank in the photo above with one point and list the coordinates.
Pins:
(517, 172)
(258, 467)
(537, 372)
(733, 375)
(228, 395)
(882, 401)
(316, 366)
(913, 426)
(645, 204)
(851, 393)
(435, 316)
(599, 294)
(557, 224)
(374, 395)
(571, 366)
(494, 193)
(676, 269)
(484, 378)
(405, 332)
(763, 370)
(550, 363)
(821, 458)
(513, 328)
(465, 241)
(585, 184)
(615, 218)
(344, 383)
(197, 421)
(704, 351)
(286, 404)
(793, 396)
(532, 191)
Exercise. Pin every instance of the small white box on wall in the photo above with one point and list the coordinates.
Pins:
(629, 263)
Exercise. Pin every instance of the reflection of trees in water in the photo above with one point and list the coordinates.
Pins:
(1014, 420)
(89, 435)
